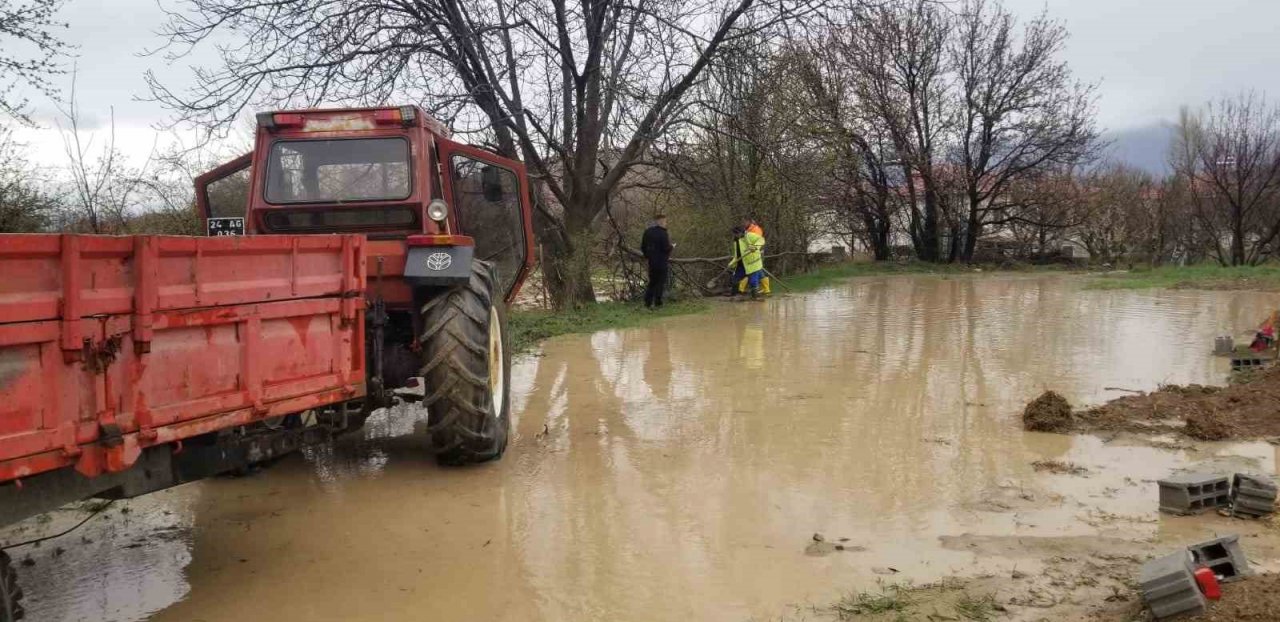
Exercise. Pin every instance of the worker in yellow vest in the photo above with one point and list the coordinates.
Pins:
(748, 251)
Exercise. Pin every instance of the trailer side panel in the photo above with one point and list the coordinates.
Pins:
(112, 344)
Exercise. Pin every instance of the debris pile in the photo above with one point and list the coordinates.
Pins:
(1248, 409)
(1048, 413)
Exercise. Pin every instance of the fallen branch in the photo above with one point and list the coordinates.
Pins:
(1122, 389)
(715, 261)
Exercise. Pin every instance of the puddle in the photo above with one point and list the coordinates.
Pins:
(680, 471)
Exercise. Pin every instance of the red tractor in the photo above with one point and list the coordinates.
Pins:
(376, 263)
(450, 240)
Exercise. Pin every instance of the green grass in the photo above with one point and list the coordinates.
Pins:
(1202, 276)
(890, 597)
(977, 608)
(828, 274)
(528, 327)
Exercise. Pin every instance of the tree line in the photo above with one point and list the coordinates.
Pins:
(940, 131)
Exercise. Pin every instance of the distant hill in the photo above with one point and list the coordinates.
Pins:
(1145, 147)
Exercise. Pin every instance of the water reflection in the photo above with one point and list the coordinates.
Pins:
(676, 471)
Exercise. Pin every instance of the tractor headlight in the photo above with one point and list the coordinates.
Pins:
(437, 210)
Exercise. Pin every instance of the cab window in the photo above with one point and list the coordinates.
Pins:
(338, 171)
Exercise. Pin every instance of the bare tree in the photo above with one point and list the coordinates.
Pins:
(1019, 111)
(1048, 209)
(26, 205)
(1229, 155)
(30, 52)
(895, 58)
(746, 152)
(864, 201)
(1118, 222)
(579, 92)
(103, 187)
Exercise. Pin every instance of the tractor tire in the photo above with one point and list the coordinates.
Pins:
(10, 592)
(466, 369)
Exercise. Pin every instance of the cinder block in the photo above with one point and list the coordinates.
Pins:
(1246, 363)
(1252, 496)
(1191, 493)
(1223, 556)
(1255, 485)
(1224, 345)
(1168, 587)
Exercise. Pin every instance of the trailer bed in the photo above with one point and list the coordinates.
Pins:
(110, 345)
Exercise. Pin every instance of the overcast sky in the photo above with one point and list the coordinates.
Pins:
(1148, 57)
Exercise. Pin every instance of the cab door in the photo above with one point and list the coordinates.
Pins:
(490, 200)
(222, 197)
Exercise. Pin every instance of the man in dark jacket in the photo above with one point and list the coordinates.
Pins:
(656, 246)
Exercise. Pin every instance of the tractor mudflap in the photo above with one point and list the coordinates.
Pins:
(438, 266)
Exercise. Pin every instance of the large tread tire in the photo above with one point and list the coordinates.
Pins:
(468, 425)
(10, 591)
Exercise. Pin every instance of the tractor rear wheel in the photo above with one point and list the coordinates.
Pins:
(466, 367)
(10, 593)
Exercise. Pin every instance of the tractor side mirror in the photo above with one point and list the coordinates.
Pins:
(491, 183)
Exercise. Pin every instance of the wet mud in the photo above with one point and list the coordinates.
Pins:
(1248, 408)
(680, 471)
(1257, 599)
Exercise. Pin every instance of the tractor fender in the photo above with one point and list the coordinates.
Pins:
(438, 266)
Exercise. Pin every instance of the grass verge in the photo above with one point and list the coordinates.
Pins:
(828, 274)
(1203, 276)
(528, 327)
(525, 328)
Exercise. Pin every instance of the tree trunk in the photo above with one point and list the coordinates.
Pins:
(971, 234)
(883, 251)
(567, 270)
(1237, 240)
(566, 260)
(929, 238)
(877, 234)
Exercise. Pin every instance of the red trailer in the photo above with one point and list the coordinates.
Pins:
(112, 345)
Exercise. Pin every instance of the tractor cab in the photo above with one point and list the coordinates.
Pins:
(392, 174)
(449, 239)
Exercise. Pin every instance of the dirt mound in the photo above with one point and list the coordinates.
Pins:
(1048, 413)
(1248, 409)
(1255, 598)
(1208, 425)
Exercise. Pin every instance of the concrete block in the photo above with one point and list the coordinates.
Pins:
(1258, 486)
(1191, 493)
(1251, 501)
(1249, 362)
(1223, 556)
(1252, 496)
(1224, 345)
(1168, 587)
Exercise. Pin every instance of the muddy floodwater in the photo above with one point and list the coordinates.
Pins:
(679, 471)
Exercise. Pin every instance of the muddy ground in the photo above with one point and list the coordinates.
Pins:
(679, 471)
(1247, 409)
